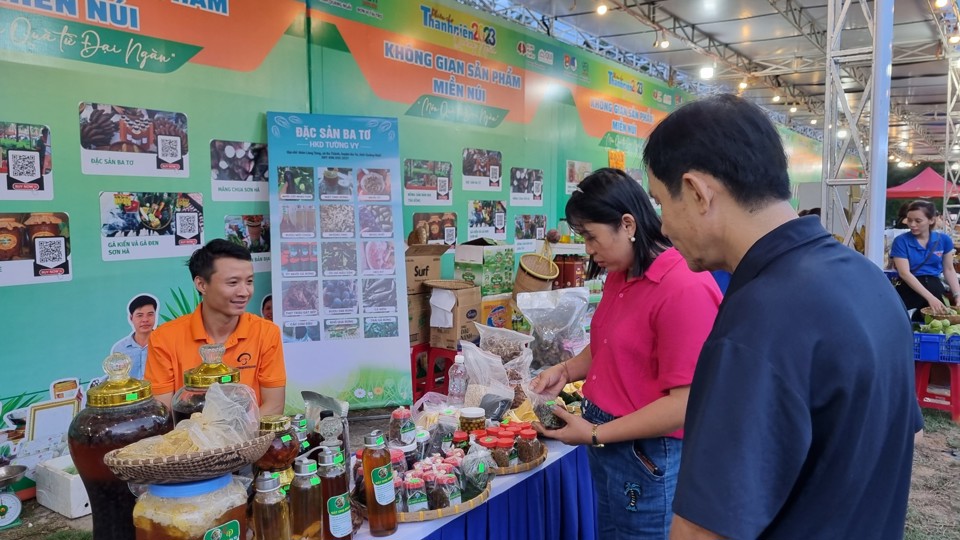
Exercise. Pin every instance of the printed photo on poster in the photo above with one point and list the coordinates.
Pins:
(150, 225)
(253, 232)
(337, 221)
(301, 331)
(296, 183)
(338, 259)
(481, 170)
(487, 219)
(298, 259)
(379, 257)
(34, 248)
(26, 162)
(380, 327)
(441, 227)
(528, 229)
(142, 314)
(341, 329)
(380, 295)
(133, 141)
(298, 221)
(340, 297)
(427, 183)
(336, 184)
(526, 187)
(374, 184)
(576, 172)
(301, 298)
(239, 171)
(376, 221)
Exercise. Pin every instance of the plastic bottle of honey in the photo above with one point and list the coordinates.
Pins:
(378, 485)
(306, 501)
(335, 495)
(271, 516)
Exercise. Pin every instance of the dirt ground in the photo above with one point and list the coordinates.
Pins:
(933, 514)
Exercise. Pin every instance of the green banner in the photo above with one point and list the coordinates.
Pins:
(621, 141)
(47, 36)
(451, 110)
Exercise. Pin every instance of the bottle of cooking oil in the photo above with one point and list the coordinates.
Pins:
(271, 516)
(378, 485)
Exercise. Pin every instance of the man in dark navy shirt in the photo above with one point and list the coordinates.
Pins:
(802, 412)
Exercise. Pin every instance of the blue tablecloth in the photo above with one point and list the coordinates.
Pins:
(553, 502)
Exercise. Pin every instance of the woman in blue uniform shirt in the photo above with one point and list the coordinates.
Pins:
(920, 257)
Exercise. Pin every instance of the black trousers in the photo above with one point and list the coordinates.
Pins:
(913, 300)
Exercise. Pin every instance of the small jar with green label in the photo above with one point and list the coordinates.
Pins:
(403, 430)
(215, 508)
(306, 501)
(191, 397)
(285, 446)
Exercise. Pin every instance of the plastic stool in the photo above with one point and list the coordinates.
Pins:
(949, 403)
(419, 355)
(437, 379)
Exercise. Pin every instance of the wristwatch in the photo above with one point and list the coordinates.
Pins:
(593, 435)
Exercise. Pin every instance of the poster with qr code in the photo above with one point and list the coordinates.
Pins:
(427, 183)
(34, 248)
(486, 219)
(239, 171)
(253, 232)
(441, 227)
(132, 141)
(26, 162)
(150, 225)
(528, 228)
(482, 169)
(526, 187)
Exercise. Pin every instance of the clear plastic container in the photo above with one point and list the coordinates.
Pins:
(192, 511)
(271, 514)
(528, 446)
(306, 501)
(402, 428)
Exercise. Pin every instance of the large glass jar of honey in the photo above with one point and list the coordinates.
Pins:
(191, 397)
(215, 508)
(119, 412)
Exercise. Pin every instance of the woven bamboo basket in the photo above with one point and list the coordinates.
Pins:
(524, 467)
(536, 272)
(450, 284)
(954, 319)
(430, 515)
(188, 467)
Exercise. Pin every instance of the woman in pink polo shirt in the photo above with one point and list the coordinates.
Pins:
(645, 338)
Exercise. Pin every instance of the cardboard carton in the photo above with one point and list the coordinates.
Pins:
(486, 263)
(418, 311)
(496, 310)
(423, 263)
(466, 311)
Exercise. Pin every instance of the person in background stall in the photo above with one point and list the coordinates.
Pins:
(920, 257)
(266, 307)
(223, 275)
(645, 337)
(142, 310)
(802, 413)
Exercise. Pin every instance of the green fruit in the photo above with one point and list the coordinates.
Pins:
(935, 325)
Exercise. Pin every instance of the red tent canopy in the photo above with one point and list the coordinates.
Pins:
(926, 184)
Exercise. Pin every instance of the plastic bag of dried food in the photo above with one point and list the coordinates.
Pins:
(505, 343)
(518, 375)
(557, 321)
(478, 469)
(486, 376)
(426, 411)
(543, 408)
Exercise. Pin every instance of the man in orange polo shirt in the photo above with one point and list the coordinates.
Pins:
(223, 274)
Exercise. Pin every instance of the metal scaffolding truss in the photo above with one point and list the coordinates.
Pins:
(951, 115)
(850, 110)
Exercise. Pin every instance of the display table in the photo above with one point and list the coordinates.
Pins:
(553, 501)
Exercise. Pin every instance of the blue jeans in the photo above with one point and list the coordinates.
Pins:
(634, 482)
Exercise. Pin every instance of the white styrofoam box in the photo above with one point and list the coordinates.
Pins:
(60, 489)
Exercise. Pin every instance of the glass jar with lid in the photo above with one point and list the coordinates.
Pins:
(284, 448)
(191, 397)
(214, 508)
(11, 238)
(119, 412)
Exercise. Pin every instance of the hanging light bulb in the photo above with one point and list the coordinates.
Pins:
(954, 39)
(940, 3)
(813, 122)
(842, 133)
(743, 85)
(955, 166)
(706, 72)
(793, 109)
(776, 98)
(664, 43)
(601, 9)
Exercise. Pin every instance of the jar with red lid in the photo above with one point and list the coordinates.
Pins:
(399, 461)
(478, 434)
(460, 440)
(402, 428)
(501, 452)
(494, 431)
(528, 446)
(488, 442)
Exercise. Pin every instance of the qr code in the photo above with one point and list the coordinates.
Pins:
(494, 172)
(24, 165)
(443, 185)
(168, 147)
(450, 235)
(50, 252)
(188, 224)
(499, 220)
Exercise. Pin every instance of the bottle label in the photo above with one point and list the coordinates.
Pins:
(455, 497)
(446, 443)
(417, 501)
(408, 433)
(382, 478)
(227, 531)
(338, 515)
